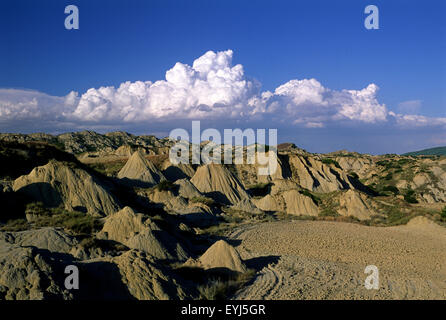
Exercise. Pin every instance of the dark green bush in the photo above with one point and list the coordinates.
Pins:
(15, 225)
(307, 193)
(77, 222)
(329, 161)
(396, 217)
(392, 189)
(207, 201)
(165, 185)
(37, 208)
(389, 176)
(409, 197)
(443, 214)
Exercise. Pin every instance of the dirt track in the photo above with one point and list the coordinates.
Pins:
(326, 260)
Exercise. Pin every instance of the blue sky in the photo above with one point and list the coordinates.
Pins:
(274, 41)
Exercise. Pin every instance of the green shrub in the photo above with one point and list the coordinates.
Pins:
(81, 223)
(77, 222)
(372, 188)
(207, 201)
(388, 177)
(15, 225)
(221, 288)
(307, 193)
(404, 161)
(329, 161)
(37, 208)
(392, 189)
(328, 212)
(165, 185)
(396, 217)
(409, 197)
(110, 168)
(91, 242)
(443, 214)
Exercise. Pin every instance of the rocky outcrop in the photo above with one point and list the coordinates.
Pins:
(139, 170)
(248, 174)
(299, 204)
(58, 183)
(27, 273)
(312, 174)
(269, 203)
(220, 255)
(139, 232)
(219, 183)
(246, 205)
(146, 281)
(174, 172)
(357, 164)
(355, 204)
(48, 238)
(285, 197)
(186, 189)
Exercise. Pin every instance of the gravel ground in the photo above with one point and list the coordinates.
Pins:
(326, 260)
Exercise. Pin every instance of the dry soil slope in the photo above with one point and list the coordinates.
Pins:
(139, 232)
(57, 183)
(139, 169)
(220, 255)
(220, 183)
(326, 260)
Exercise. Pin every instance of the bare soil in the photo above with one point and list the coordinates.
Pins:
(326, 260)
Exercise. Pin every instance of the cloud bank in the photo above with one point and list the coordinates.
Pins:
(211, 89)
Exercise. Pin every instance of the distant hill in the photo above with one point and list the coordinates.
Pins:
(438, 151)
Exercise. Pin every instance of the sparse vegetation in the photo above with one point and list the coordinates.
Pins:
(91, 242)
(110, 168)
(307, 193)
(382, 195)
(396, 217)
(37, 208)
(76, 222)
(259, 189)
(165, 185)
(222, 288)
(443, 214)
(388, 176)
(328, 212)
(207, 201)
(392, 189)
(329, 161)
(409, 196)
(15, 225)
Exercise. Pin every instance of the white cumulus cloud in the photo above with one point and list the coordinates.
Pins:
(211, 88)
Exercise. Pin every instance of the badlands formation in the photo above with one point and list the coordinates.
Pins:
(139, 227)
